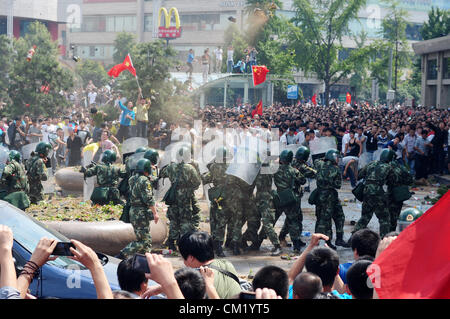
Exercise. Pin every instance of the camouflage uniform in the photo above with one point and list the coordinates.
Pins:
(15, 183)
(264, 204)
(375, 200)
(328, 206)
(107, 177)
(238, 198)
(180, 214)
(218, 219)
(288, 177)
(194, 201)
(308, 172)
(125, 191)
(400, 175)
(36, 172)
(141, 198)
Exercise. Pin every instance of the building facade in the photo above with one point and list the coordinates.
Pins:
(435, 55)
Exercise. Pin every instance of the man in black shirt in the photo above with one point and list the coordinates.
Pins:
(74, 145)
(371, 142)
(84, 134)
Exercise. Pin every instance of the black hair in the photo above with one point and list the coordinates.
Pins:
(129, 278)
(357, 280)
(324, 262)
(326, 295)
(272, 277)
(366, 257)
(365, 241)
(123, 294)
(307, 285)
(198, 245)
(191, 283)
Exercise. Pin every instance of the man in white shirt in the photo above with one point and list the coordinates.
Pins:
(218, 52)
(92, 95)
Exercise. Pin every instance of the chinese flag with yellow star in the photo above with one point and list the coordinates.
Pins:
(127, 64)
(259, 74)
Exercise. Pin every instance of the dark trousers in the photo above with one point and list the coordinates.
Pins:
(438, 158)
(142, 129)
(422, 163)
(123, 133)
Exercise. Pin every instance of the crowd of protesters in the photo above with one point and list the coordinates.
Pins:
(419, 136)
(316, 274)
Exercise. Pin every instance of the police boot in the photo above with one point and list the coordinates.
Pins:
(283, 242)
(256, 245)
(297, 246)
(236, 248)
(276, 251)
(218, 249)
(329, 244)
(340, 241)
(228, 243)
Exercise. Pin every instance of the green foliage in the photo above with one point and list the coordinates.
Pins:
(237, 40)
(319, 28)
(26, 78)
(153, 62)
(92, 70)
(6, 59)
(123, 44)
(438, 24)
(394, 39)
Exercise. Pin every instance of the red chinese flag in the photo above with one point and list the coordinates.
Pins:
(258, 110)
(314, 100)
(127, 64)
(348, 98)
(259, 74)
(417, 263)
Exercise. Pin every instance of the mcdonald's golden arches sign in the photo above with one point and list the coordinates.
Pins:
(166, 31)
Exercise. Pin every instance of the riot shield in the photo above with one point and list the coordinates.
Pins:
(322, 145)
(170, 153)
(89, 182)
(364, 158)
(130, 145)
(133, 159)
(245, 165)
(26, 151)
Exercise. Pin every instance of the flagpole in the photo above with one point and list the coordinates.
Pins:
(140, 90)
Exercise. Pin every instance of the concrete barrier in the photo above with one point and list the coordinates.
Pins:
(107, 237)
(69, 179)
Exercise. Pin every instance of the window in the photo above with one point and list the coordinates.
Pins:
(107, 24)
(148, 23)
(204, 21)
(413, 32)
(344, 53)
(94, 51)
(446, 69)
(432, 70)
(3, 26)
(93, 24)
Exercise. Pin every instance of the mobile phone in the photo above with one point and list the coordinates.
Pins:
(247, 295)
(63, 249)
(139, 263)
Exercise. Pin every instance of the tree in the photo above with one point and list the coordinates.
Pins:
(153, 61)
(438, 24)
(319, 28)
(123, 44)
(36, 85)
(92, 70)
(6, 64)
(394, 40)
